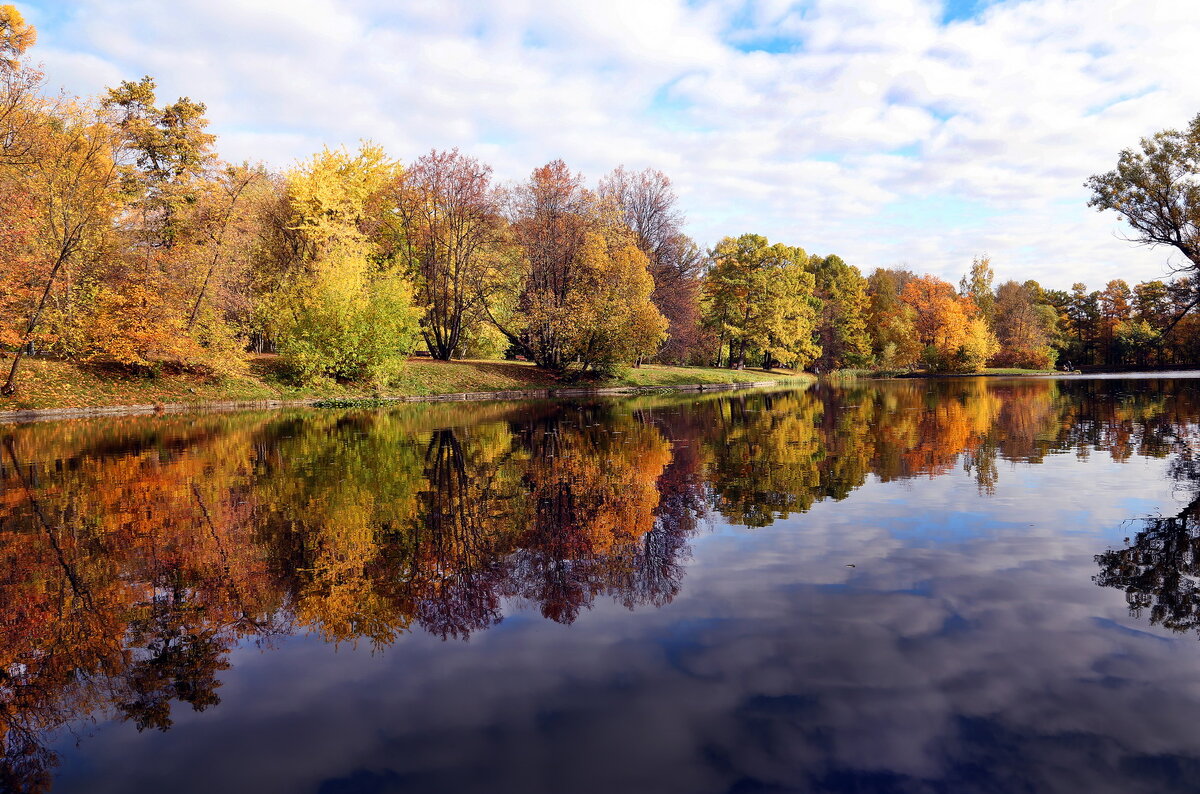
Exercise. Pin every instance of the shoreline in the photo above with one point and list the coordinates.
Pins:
(931, 375)
(46, 414)
(1107, 373)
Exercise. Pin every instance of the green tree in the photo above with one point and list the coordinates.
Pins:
(1157, 192)
(1134, 341)
(1152, 303)
(1083, 315)
(759, 298)
(977, 285)
(842, 325)
(172, 153)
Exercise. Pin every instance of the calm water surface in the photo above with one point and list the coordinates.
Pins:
(965, 585)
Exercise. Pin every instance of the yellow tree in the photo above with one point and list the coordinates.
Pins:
(345, 312)
(20, 104)
(787, 316)
(613, 320)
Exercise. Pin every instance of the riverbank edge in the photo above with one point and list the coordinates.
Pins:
(885, 375)
(43, 414)
(931, 375)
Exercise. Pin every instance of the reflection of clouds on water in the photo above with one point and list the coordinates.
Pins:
(891, 588)
(980, 657)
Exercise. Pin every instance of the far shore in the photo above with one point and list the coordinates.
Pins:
(1012, 373)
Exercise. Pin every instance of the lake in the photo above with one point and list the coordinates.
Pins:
(959, 585)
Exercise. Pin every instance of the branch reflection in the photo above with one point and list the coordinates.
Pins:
(138, 552)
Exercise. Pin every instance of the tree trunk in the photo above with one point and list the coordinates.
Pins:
(10, 385)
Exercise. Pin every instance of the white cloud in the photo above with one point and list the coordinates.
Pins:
(875, 110)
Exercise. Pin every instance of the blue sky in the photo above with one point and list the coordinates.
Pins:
(919, 132)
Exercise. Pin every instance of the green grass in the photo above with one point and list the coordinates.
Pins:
(47, 384)
(661, 375)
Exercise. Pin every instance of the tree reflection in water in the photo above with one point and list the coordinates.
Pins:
(138, 552)
(1160, 568)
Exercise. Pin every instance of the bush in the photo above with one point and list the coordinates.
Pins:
(341, 323)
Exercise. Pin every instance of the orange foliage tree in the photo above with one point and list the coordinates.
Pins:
(955, 337)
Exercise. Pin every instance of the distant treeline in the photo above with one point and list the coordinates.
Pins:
(124, 239)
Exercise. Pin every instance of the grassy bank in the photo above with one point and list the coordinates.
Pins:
(58, 384)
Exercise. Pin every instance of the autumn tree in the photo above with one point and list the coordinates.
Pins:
(342, 311)
(578, 269)
(551, 215)
(153, 307)
(890, 321)
(1026, 330)
(787, 315)
(977, 285)
(23, 271)
(955, 337)
(73, 183)
(614, 320)
(1114, 303)
(448, 220)
(224, 216)
(21, 105)
(648, 205)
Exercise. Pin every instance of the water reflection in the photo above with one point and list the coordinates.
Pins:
(1158, 572)
(137, 553)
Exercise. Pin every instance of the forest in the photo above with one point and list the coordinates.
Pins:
(126, 241)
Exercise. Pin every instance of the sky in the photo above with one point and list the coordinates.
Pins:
(919, 133)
